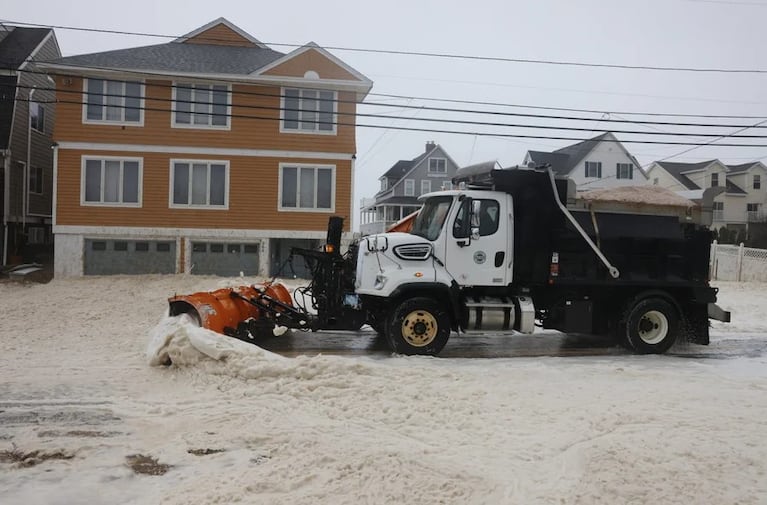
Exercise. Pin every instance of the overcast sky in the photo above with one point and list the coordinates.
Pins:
(671, 33)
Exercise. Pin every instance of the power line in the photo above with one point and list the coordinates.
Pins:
(463, 111)
(593, 111)
(428, 130)
(281, 108)
(435, 55)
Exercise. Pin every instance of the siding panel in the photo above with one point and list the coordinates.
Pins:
(253, 196)
(255, 123)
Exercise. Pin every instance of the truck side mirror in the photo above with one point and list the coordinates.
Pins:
(475, 233)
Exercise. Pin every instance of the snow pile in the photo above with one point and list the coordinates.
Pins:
(649, 195)
(238, 424)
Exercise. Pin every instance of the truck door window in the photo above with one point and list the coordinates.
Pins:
(489, 212)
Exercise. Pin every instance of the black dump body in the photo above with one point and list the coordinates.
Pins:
(646, 249)
(651, 252)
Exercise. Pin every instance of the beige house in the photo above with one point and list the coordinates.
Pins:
(743, 199)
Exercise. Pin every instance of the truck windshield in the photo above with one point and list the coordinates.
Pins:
(429, 222)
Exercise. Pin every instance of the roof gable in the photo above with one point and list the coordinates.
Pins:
(312, 58)
(220, 32)
(564, 160)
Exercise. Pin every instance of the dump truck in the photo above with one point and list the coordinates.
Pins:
(508, 250)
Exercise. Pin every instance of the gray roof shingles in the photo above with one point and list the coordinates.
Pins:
(179, 57)
(404, 166)
(18, 44)
(563, 160)
(678, 170)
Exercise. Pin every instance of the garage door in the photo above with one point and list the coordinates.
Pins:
(224, 259)
(107, 257)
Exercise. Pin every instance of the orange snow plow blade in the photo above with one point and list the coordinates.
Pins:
(235, 311)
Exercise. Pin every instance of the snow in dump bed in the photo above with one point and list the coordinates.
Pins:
(237, 424)
(649, 195)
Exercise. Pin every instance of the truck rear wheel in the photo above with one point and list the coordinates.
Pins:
(418, 326)
(651, 326)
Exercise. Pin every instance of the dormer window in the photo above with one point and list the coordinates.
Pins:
(714, 180)
(384, 184)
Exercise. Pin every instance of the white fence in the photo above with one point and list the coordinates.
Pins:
(738, 263)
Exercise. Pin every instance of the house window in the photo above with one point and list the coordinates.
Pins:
(200, 184)
(655, 181)
(201, 105)
(718, 211)
(437, 166)
(111, 181)
(714, 180)
(409, 187)
(308, 111)
(37, 116)
(384, 184)
(36, 180)
(752, 212)
(594, 169)
(306, 187)
(757, 181)
(624, 171)
(113, 101)
(447, 185)
(425, 187)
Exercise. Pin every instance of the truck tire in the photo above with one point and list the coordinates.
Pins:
(651, 326)
(418, 326)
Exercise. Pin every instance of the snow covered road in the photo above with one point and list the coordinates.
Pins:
(79, 404)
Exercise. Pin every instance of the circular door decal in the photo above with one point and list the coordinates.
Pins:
(479, 257)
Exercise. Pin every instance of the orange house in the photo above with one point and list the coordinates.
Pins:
(209, 154)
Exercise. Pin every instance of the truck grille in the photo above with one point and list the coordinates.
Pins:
(413, 251)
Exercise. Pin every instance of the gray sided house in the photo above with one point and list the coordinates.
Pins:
(597, 163)
(402, 184)
(27, 114)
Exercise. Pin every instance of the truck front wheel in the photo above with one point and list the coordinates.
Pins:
(651, 326)
(418, 326)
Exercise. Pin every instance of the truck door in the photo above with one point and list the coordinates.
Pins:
(478, 249)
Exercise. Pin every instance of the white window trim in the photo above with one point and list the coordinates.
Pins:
(140, 122)
(191, 126)
(425, 184)
(171, 180)
(140, 195)
(435, 173)
(308, 209)
(299, 131)
(412, 187)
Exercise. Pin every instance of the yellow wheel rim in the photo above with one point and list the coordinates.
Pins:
(419, 328)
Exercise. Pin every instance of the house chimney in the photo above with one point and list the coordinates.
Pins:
(430, 145)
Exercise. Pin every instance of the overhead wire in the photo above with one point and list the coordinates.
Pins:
(448, 109)
(430, 54)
